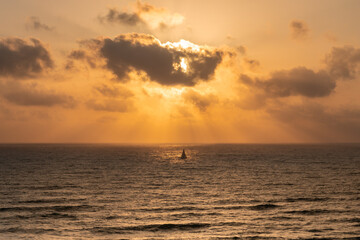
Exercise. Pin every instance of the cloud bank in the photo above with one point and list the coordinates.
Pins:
(179, 63)
(297, 81)
(340, 64)
(144, 14)
(30, 95)
(343, 62)
(20, 58)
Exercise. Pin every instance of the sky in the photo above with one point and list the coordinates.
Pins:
(230, 71)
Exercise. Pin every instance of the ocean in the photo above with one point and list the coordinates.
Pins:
(221, 191)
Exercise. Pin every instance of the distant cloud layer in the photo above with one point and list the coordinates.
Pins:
(113, 91)
(341, 63)
(179, 63)
(34, 23)
(29, 95)
(110, 105)
(297, 81)
(20, 58)
(200, 101)
(144, 14)
(299, 29)
(320, 122)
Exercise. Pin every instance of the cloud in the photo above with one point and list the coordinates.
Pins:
(112, 99)
(20, 58)
(171, 63)
(115, 16)
(297, 81)
(251, 64)
(144, 14)
(299, 29)
(110, 105)
(343, 62)
(319, 123)
(79, 55)
(113, 91)
(34, 23)
(200, 101)
(30, 95)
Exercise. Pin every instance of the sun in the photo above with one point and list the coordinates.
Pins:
(182, 44)
(183, 65)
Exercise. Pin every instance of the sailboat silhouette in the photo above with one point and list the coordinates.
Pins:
(183, 155)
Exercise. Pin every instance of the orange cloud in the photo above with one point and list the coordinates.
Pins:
(299, 29)
(144, 14)
(34, 23)
(31, 95)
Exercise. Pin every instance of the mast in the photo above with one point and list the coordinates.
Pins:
(183, 155)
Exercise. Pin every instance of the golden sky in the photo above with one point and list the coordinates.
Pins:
(238, 71)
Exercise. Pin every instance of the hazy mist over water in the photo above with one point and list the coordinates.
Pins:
(59, 191)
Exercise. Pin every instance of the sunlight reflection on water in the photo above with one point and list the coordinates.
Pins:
(149, 192)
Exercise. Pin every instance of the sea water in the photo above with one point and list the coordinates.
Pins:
(59, 191)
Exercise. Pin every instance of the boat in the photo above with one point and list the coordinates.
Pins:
(183, 155)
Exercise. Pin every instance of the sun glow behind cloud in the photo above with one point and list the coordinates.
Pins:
(186, 45)
(144, 73)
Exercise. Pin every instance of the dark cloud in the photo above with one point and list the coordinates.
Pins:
(35, 24)
(115, 16)
(200, 101)
(297, 81)
(29, 95)
(299, 29)
(145, 15)
(181, 63)
(79, 55)
(343, 62)
(19, 58)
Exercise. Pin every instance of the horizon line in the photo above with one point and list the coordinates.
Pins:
(178, 143)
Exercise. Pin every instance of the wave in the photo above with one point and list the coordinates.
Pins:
(279, 184)
(53, 187)
(283, 218)
(59, 208)
(58, 215)
(306, 199)
(56, 200)
(315, 212)
(232, 201)
(315, 230)
(26, 230)
(150, 228)
(54, 215)
(263, 207)
(230, 207)
(231, 224)
(112, 217)
(347, 220)
(173, 209)
(194, 214)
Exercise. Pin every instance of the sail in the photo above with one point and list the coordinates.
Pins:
(183, 155)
